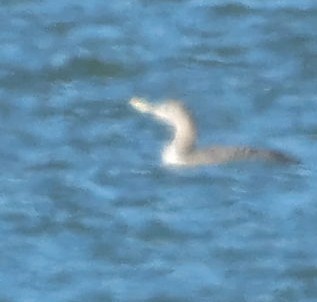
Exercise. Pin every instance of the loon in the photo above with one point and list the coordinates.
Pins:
(181, 151)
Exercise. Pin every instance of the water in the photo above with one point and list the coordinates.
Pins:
(87, 211)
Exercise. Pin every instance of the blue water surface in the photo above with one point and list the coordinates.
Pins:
(88, 213)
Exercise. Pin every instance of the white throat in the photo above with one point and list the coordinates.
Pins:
(183, 140)
(170, 156)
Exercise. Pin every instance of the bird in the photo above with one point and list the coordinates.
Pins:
(181, 151)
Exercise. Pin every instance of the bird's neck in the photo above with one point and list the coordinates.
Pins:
(184, 138)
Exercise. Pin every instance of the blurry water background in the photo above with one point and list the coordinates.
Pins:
(87, 212)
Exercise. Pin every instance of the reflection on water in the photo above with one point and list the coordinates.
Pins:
(88, 213)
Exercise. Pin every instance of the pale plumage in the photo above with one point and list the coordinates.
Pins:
(181, 151)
